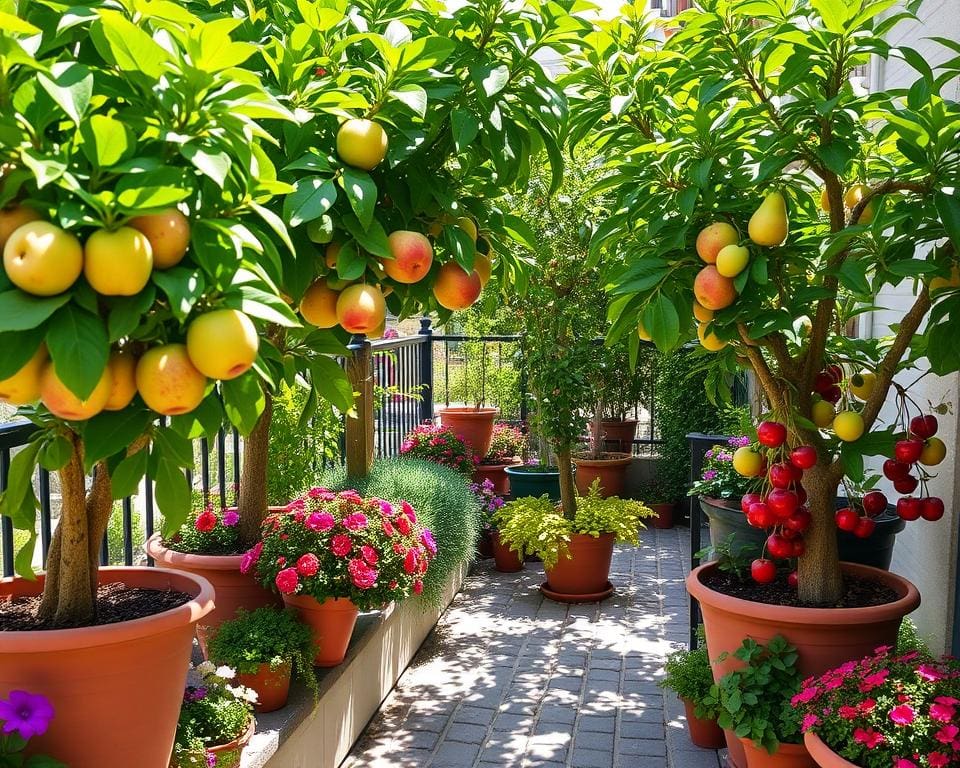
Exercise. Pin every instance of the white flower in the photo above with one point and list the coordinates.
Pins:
(239, 692)
(205, 668)
(226, 673)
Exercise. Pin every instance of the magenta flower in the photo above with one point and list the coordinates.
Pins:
(297, 505)
(211, 760)
(428, 541)
(369, 554)
(848, 713)
(287, 581)
(809, 721)
(408, 511)
(417, 587)
(902, 762)
(388, 528)
(386, 508)
(28, 714)
(410, 562)
(403, 524)
(806, 695)
(928, 673)
(308, 564)
(320, 521)
(340, 545)
(870, 738)
(938, 760)
(362, 575)
(192, 694)
(230, 518)
(355, 522)
(947, 734)
(942, 713)
(902, 714)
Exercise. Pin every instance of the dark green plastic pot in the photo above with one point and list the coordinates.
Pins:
(726, 518)
(534, 481)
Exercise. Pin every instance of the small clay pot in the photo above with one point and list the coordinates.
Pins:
(505, 559)
(703, 732)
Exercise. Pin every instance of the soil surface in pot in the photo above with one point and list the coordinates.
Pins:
(860, 593)
(116, 602)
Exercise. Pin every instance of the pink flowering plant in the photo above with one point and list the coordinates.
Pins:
(507, 443)
(209, 531)
(440, 445)
(719, 480)
(489, 500)
(340, 545)
(24, 715)
(888, 710)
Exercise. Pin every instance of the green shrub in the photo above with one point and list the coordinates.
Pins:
(689, 675)
(443, 503)
(115, 534)
(909, 639)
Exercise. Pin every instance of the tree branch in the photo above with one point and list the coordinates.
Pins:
(884, 188)
(767, 380)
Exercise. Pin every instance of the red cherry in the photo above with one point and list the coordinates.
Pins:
(932, 508)
(906, 484)
(779, 547)
(893, 469)
(908, 451)
(781, 474)
(822, 382)
(799, 521)
(763, 571)
(865, 527)
(803, 456)
(835, 372)
(782, 503)
(846, 519)
(792, 579)
(748, 499)
(924, 427)
(788, 534)
(772, 434)
(874, 503)
(799, 548)
(910, 508)
(832, 395)
(760, 516)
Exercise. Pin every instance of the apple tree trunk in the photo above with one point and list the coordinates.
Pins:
(252, 503)
(820, 581)
(568, 491)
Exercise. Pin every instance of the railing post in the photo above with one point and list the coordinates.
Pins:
(426, 370)
(524, 383)
(359, 426)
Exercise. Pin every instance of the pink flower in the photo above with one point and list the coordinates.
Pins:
(297, 505)
(410, 562)
(351, 495)
(948, 700)
(938, 760)
(321, 493)
(308, 564)
(403, 524)
(870, 738)
(340, 545)
(399, 549)
(230, 518)
(833, 683)
(388, 528)
(942, 713)
(806, 695)
(320, 521)
(902, 762)
(369, 554)
(902, 714)
(408, 511)
(251, 557)
(205, 522)
(281, 561)
(429, 542)
(947, 734)
(417, 587)
(355, 522)
(847, 712)
(394, 584)
(287, 581)
(866, 706)
(809, 721)
(872, 681)
(362, 575)
(386, 508)
(928, 673)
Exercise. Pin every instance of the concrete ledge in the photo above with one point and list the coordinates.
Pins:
(308, 735)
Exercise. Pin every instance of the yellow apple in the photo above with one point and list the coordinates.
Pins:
(222, 344)
(168, 382)
(117, 262)
(64, 404)
(934, 451)
(469, 226)
(42, 259)
(362, 143)
(708, 339)
(123, 380)
(483, 267)
(24, 386)
(169, 234)
(319, 305)
(848, 426)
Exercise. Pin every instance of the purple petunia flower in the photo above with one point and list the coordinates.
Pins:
(28, 714)
(211, 760)
(230, 518)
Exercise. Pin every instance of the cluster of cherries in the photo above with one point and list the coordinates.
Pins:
(921, 449)
(827, 384)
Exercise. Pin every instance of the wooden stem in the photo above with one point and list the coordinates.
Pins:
(252, 504)
(818, 571)
(568, 491)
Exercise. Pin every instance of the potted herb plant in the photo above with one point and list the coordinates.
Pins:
(331, 555)
(216, 720)
(688, 674)
(577, 551)
(890, 708)
(441, 445)
(507, 444)
(264, 647)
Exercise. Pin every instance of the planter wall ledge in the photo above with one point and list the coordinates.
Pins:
(321, 736)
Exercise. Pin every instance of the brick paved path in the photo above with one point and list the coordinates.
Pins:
(512, 680)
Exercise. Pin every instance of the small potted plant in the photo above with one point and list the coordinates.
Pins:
(720, 489)
(688, 674)
(577, 551)
(888, 709)
(506, 560)
(24, 716)
(264, 646)
(608, 468)
(506, 447)
(331, 555)
(655, 492)
(754, 702)
(216, 720)
(441, 445)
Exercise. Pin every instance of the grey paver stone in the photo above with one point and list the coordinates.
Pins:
(468, 733)
(591, 758)
(455, 755)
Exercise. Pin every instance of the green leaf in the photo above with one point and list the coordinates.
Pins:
(184, 287)
(127, 45)
(361, 192)
(174, 446)
(71, 86)
(18, 348)
(413, 97)
(78, 344)
(214, 165)
(267, 306)
(491, 79)
(424, 53)
(172, 494)
(127, 312)
(126, 477)
(948, 207)
(55, 453)
(111, 432)
(662, 322)
(203, 421)
(330, 381)
(23, 561)
(372, 239)
(312, 197)
(106, 141)
(46, 169)
(465, 127)
(853, 276)
(243, 401)
(18, 501)
(833, 12)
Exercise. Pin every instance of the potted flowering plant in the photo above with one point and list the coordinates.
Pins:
(506, 446)
(505, 559)
(720, 489)
(24, 716)
(440, 445)
(216, 720)
(330, 555)
(887, 709)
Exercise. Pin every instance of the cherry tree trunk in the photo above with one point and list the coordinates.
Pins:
(818, 571)
(252, 504)
(568, 491)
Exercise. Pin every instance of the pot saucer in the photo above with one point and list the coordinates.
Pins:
(563, 597)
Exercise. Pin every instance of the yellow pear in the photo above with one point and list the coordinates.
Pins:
(643, 333)
(769, 224)
(852, 198)
(732, 260)
(24, 386)
(12, 218)
(117, 262)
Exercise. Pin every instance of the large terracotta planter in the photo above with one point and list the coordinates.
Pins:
(617, 435)
(703, 733)
(824, 637)
(116, 689)
(822, 754)
(233, 589)
(496, 474)
(587, 570)
(331, 622)
(611, 471)
(505, 559)
(665, 513)
(272, 686)
(472, 425)
(786, 756)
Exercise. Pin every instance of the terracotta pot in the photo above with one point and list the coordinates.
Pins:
(822, 754)
(272, 686)
(472, 425)
(331, 622)
(824, 637)
(587, 570)
(505, 559)
(116, 689)
(610, 470)
(496, 474)
(485, 544)
(786, 756)
(664, 518)
(703, 733)
(618, 435)
(228, 755)
(233, 589)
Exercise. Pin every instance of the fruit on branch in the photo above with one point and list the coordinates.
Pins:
(865, 528)
(712, 290)
(862, 384)
(906, 484)
(894, 470)
(117, 262)
(454, 288)
(824, 200)
(908, 451)
(799, 521)
(469, 226)
(793, 579)
(772, 434)
(852, 198)
(848, 426)
(769, 224)
(782, 475)
(222, 344)
(732, 260)
(714, 238)
(934, 451)
(708, 339)
(932, 508)
(783, 503)
(779, 547)
(874, 503)
(701, 313)
(910, 508)
(330, 255)
(123, 380)
(42, 259)
(23, 387)
(822, 413)
(13, 217)
(803, 456)
(748, 499)
(168, 381)
(924, 426)
(642, 332)
(412, 257)
(847, 519)
(483, 267)
(320, 231)
(759, 515)
(361, 308)
(64, 404)
(938, 284)
(319, 305)
(362, 143)
(763, 571)
(169, 234)
(748, 462)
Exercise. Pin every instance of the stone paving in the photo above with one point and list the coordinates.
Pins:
(511, 679)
